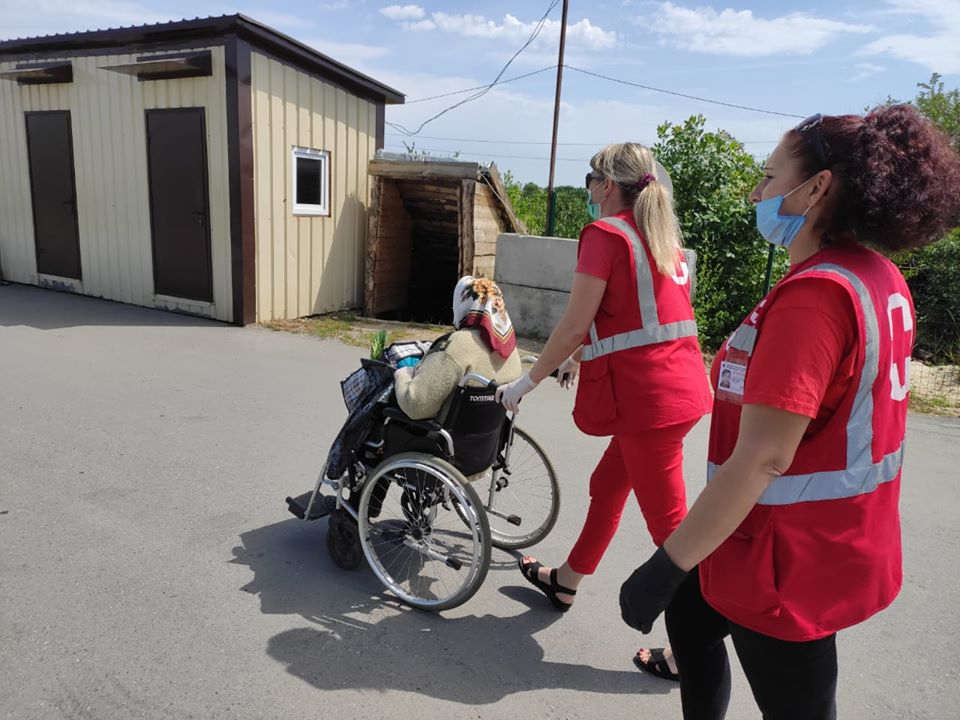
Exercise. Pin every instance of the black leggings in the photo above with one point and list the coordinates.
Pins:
(790, 680)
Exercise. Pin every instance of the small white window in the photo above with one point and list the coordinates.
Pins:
(311, 182)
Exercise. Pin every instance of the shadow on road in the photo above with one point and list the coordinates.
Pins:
(42, 309)
(363, 639)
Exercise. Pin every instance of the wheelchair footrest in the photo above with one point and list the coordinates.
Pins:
(322, 506)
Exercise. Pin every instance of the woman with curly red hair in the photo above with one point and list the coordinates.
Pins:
(797, 534)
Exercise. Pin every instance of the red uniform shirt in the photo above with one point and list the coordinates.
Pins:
(820, 550)
(807, 373)
(641, 388)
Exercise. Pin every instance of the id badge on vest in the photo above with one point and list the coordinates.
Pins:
(733, 376)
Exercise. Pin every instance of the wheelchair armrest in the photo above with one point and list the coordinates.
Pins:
(419, 427)
(395, 413)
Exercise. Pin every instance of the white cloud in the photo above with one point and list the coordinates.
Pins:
(403, 12)
(582, 33)
(419, 25)
(865, 70)
(938, 50)
(740, 33)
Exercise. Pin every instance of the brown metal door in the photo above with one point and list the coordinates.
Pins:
(179, 210)
(53, 190)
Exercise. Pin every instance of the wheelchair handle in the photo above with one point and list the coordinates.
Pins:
(474, 377)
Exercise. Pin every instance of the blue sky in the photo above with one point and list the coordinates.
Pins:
(785, 56)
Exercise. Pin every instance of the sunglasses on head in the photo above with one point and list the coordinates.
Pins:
(589, 178)
(812, 125)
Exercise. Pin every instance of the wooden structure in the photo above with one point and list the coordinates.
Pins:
(213, 166)
(431, 222)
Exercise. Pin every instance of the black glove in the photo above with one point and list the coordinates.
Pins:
(648, 591)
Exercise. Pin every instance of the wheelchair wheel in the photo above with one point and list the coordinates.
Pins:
(522, 500)
(343, 541)
(424, 531)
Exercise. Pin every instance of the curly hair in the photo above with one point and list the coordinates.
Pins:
(897, 177)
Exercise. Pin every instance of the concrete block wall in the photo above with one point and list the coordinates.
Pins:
(535, 274)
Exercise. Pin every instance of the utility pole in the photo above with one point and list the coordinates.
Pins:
(551, 196)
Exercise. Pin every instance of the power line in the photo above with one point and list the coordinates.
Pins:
(683, 95)
(447, 151)
(493, 141)
(480, 87)
(487, 88)
(543, 142)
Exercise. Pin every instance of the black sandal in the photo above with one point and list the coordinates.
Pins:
(657, 665)
(551, 589)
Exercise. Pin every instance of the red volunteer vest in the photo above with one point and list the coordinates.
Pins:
(821, 549)
(642, 367)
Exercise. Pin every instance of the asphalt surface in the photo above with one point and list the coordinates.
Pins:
(149, 568)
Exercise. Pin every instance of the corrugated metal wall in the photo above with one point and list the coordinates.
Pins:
(308, 265)
(107, 112)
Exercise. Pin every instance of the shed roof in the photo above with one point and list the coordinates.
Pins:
(257, 34)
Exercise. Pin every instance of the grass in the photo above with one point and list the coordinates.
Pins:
(352, 329)
(934, 405)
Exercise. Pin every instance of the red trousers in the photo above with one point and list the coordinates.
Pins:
(651, 465)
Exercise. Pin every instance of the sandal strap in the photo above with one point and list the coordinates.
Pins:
(557, 587)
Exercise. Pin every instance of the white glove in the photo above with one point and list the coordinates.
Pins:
(567, 372)
(509, 395)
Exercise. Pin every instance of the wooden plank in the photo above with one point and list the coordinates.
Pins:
(415, 169)
(484, 265)
(391, 276)
(485, 248)
(468, 189)
(373, 247)
(429, 188)
(496, 185)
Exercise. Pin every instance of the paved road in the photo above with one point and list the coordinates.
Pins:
(148, 567)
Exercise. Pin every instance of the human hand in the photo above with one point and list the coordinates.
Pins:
(509, 395)
(567, 372)
(404, 372)
(648, 591)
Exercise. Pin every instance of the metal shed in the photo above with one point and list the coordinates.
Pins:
(211, 166)
(431, 222)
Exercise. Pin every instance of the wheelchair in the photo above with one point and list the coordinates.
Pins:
(423, 501)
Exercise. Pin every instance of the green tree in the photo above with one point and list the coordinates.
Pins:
(933, 272)
(712, 178)
(941, 106)
(530, 204)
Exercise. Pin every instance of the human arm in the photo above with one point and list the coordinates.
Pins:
(793, 378)
(585, 297)
(422, 391)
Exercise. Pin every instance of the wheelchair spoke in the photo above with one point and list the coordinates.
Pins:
(526, 491)
(414, 536)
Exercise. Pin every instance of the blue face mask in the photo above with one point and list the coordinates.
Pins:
(779, 229)
(592, 207)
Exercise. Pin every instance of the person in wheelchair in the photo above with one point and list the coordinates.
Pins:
(414, 445)
(483, 343)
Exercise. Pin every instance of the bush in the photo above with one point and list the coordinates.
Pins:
(933, 274)
(530, 205)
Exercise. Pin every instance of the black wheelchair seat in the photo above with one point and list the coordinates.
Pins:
(468, 436)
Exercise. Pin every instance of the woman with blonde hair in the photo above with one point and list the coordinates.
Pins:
(629, 332)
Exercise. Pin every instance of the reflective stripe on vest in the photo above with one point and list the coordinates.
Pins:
(828, 484)
(861, 475)
(652, 331)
